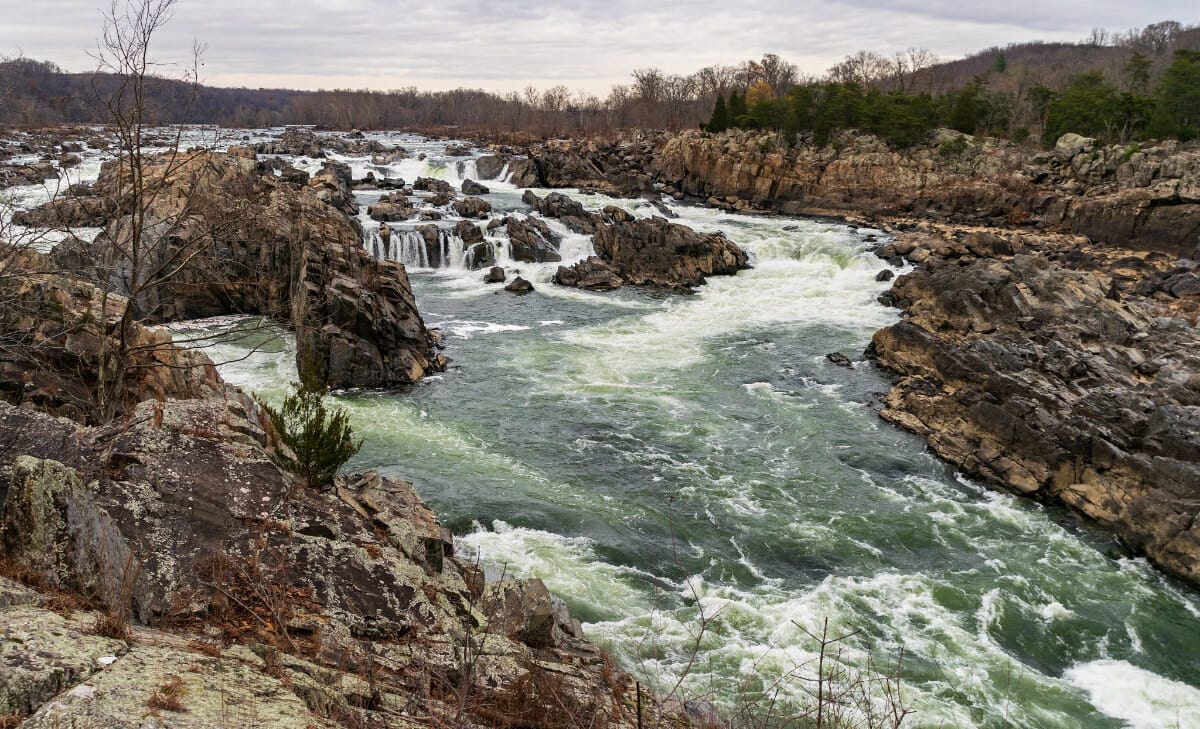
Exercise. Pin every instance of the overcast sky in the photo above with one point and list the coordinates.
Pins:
(504, 45)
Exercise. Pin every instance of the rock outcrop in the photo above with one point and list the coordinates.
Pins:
(54, 340)
(345, 607)
(238, 240)
(1141, 198)
(654, 252)
(531, 240)
(1060, 371)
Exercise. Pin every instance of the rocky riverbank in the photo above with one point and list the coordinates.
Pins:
(1059, 370)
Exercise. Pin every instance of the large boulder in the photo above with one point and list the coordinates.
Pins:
(559, 206)
(591, 273)
(656, 252)
(531, 240)
(472, 207)
(490, 166)
(471, 187)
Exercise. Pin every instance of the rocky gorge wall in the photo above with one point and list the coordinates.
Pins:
(1146, 198)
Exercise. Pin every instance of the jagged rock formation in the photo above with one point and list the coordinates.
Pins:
(619, 166)
(1058, 370)
(52, 340)
(239, 240)
(1144, 198)
(651, 252)
(352, 600)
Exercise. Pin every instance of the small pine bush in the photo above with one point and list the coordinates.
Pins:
(321, 438)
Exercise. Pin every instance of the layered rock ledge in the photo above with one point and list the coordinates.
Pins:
(1059, 370)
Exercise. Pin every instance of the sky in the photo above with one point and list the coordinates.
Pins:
(587, 45)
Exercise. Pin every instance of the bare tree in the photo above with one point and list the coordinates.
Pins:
(778, 73)
(863, 68)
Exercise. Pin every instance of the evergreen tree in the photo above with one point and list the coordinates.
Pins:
(720, 117)
(1137, 73)
(1088, 105)
(1177, 107)
(1001, 64)
(321, 440)
(737, 109)
(966, 109)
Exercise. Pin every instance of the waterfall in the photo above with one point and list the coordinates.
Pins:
(411, 248)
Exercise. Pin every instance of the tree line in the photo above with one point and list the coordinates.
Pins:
(1119, 86)
(1137, 107)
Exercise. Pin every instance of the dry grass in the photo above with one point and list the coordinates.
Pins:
(168, 696)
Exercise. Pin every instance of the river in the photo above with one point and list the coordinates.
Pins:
(706, 490)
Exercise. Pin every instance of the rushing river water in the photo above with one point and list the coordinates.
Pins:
(669, 462)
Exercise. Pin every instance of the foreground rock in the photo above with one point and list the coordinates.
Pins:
(1047, 373)
(654, 252)
(278, 604)
(253, 243)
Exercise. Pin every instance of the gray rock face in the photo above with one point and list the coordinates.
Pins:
(1057, 383)
(290, 252)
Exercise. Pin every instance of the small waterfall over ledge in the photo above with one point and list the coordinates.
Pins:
(425, 247)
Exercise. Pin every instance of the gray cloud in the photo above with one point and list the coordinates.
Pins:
(507, 44)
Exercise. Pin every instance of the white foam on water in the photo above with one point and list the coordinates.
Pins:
(1139, 697)
(468, 329)
(568, 565)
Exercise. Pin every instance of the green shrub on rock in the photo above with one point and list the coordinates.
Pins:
(320, 438)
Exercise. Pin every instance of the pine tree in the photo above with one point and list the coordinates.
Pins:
(720, 117)
(1177, 109)
(320, 439)
(737, 109)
